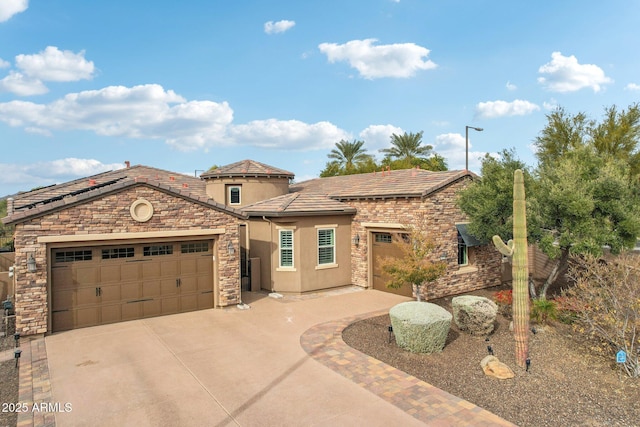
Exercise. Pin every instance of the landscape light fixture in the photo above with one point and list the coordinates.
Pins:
(528, 363)
(31, 264)
(490, 350)
(466, 137)
(390, 329)
(16, 337)
(16, 354)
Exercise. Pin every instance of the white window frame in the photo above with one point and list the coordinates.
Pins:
(230, 189)
(281, 248)
(319, 229)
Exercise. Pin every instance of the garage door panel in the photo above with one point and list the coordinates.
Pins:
(110, 313)
(113, 283)
(205, 300)
(151, 308)
(131, 310)
(62, 320)
(110, 293)
(170, 305)
(87, 296)
(62, 299)
(151, 269)
(86, 317)
(189, 302)
(87, 275)
(130, 291)
(62, 277)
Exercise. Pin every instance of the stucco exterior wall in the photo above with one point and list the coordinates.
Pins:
(306, 275)
(440, 214)
(110, 214)
(253, 189)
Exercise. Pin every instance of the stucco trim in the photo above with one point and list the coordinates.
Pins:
(124, 236)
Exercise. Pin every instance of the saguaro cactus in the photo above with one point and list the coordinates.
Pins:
(517, 248)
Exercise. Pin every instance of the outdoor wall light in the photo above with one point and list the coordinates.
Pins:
(444, 256)
(31, 264)
(230, 249)
(356, 239)
(16, 354)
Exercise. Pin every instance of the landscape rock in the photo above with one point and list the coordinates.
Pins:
(474, 314)
(420, 327)
(493, 367)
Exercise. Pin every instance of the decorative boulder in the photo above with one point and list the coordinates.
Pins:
(473, 314)
(420, 327)
(493, 367)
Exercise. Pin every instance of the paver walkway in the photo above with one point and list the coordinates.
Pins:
(418, 398)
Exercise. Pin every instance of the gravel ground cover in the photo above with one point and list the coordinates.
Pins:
(567, 384)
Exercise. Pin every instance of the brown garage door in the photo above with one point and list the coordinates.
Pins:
(383, 247)
(107, 284)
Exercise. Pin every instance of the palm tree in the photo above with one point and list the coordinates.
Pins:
(407, 147)
(348, 155)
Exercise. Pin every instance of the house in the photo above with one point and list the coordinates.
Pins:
(140, 241)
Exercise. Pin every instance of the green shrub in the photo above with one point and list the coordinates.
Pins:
(544, 310)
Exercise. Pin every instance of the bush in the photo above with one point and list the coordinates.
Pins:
(504, 301)
(543, 310)
(567, 308)
(607, 302)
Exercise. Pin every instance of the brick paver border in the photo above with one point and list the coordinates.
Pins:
(35, 386)
(423, 401)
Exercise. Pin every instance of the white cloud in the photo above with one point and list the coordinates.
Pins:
(565, 74)
(278, 27)
(552, 104)
(493, 109)
(4, 64)
(55, 65)
(52, 172)
(632, 87)
(146, 111)
(21, 85)
(511, 86)
(379, 136)
(400, 60)
(287, 134)
(452, 146)
(8, 8)
(151, 112)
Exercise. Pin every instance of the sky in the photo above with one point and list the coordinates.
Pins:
(183, 86)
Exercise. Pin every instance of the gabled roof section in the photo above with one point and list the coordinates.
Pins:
(298, 204)
(401, 183)
(44, 200)
(247, 168)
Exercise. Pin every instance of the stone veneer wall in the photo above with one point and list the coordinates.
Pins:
(110, 214)
(441, 214)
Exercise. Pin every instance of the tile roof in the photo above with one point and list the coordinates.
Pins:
(299, 204)
(377, 185)
(43, 200)
(247, 168)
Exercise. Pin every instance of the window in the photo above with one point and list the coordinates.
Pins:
(326, 246)
(383, 238)
(463, 256)
(157, 250)
(189, 248)
(117, 253)
(234, 194)
(286, 248)
(73, 256)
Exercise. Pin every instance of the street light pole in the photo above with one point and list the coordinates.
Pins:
(466, 138)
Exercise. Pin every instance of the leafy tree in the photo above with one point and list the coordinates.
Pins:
(6, 231)
(407, 147)
(416, 266)
(434, 163)
(579, 199)
(349, 155)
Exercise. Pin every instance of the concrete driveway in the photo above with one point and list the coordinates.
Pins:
(224, 367)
